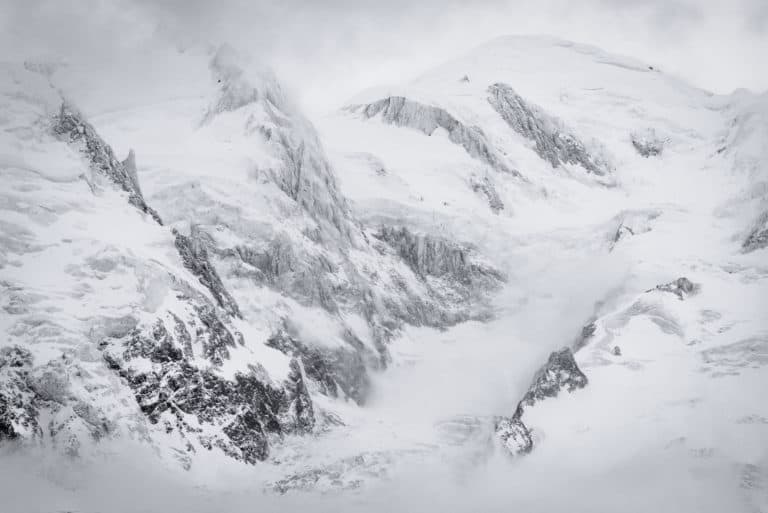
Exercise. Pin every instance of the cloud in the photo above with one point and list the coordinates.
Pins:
(327, 51)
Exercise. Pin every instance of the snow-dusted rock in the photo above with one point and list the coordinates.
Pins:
(401, 111)
(559, 373)
(648, 143)
(75, 130)
(758, 236)
(681, 287)
(553, 142)
(515, 437)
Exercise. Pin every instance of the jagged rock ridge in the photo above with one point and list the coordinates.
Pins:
(559, 373)
(74, 129)
(553, 143)
(401, 111)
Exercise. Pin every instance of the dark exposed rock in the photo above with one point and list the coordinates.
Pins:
(681, 287)
(616, 351)
(18, 408)
(195, 258)
(300, 401)
(218, 339)
(553, 143)
(401, 111)
(433, 256)
(758, 236)
(560, 372)
(247, 409)
(71, 126)
(336, 370)
(647, 144)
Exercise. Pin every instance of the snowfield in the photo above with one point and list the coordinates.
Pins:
(359, 313)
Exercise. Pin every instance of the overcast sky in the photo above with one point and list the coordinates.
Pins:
(327, 50)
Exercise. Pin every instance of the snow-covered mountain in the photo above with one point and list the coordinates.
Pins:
(537, 259)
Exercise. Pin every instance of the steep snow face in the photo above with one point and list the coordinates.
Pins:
(596, 316)
(262, 292)
(657, 187)
(113, 326)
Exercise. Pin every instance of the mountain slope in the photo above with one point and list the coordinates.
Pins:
(538, 259)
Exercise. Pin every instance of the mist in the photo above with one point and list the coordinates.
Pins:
(424, 438)
(328, 51)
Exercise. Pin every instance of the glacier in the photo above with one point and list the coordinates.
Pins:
(452, 293)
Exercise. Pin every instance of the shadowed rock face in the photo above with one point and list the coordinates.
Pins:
(681, 287)
(758, 237)
(400, 111)
(243, 412)
(553, 143)
(71, 126)
(195, 258)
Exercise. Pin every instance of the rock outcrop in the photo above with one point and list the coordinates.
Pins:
(238, 416)
(647, 144)
(681, 287)
(401, 111)
(72, 127)
(553, 142)
(433, 256)
(195, 258)
(559, 373)
(18, 402)
(514, 435)
(485, 187)
(758, 236)
(337, 372)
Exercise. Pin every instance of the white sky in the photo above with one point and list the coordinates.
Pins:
(328, 50)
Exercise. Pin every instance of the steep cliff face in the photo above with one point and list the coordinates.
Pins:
(142, 303)
(219, 331)
(75, 130)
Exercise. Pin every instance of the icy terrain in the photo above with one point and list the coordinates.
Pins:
(534, 278)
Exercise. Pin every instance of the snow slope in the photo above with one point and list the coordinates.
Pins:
(418, 256)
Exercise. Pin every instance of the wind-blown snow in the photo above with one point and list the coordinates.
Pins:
(450, 277)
